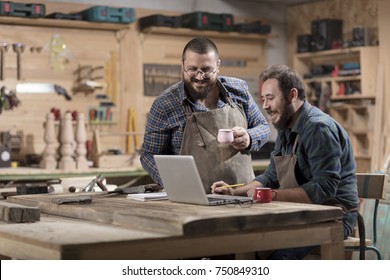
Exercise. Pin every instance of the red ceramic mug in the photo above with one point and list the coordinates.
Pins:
(264, 195)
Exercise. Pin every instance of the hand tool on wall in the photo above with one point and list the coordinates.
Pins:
(19, 49)
(132, 138)
(89, 78)
(114, 77)
(3, 48)
(42, 88)
(8, 99)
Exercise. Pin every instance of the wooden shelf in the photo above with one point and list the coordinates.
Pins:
(355, 112)
(60, 23)
(352, 97)
(331, 53)
(205, 33)
(330, 79)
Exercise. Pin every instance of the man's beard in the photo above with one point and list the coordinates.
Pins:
(198, 94)
(285, 117)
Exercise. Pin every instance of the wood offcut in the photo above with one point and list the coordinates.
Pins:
(16, 213)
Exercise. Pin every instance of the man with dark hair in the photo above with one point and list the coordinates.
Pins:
(186, 117)
(313, 160)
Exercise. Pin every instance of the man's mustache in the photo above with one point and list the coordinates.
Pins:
(205, 80)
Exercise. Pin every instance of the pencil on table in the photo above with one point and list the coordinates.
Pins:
(233, 186)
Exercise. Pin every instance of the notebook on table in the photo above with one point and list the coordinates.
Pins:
(183, 183)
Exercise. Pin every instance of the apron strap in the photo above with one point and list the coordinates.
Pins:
(297, 138)
(224, 94)
(295, 145)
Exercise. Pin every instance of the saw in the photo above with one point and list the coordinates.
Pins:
(42, 88)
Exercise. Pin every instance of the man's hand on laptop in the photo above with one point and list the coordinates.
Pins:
(220, 187)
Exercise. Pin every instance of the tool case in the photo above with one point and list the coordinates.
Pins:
(109, 14)
(254, 27)
(65, 16)
(208, 21)
(8, 8)
(159, 20)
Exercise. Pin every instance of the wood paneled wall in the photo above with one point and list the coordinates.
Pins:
(382, 151)
(84, 47)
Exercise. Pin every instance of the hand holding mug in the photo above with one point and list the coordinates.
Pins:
(241, 138)
(264, 195)
(225, 136)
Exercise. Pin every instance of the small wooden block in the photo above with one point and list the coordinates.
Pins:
(16, 213)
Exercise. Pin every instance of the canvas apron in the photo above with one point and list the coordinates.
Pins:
(285, 166)
(216, 161)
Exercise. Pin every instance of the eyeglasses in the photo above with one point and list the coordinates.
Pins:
(205, 73)
(243, 203)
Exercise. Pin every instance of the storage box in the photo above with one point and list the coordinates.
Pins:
(109, 14)
(208, 21)
(8, 8)
(65, 16)
(159, 20)
(254, 27)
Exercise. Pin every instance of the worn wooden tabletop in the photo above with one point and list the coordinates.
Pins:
(114, 227)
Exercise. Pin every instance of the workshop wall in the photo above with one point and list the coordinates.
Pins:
(53, 56)
(125, 50)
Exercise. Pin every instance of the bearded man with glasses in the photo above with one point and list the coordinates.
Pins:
(186, 117)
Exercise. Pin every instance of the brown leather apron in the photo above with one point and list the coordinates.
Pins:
(216, 161)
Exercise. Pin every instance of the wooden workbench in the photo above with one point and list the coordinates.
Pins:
(113, 227)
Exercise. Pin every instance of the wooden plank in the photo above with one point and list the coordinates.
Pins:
(15, 213)
(384, 56)
(114, 161)
(378, 124)
(372, 185)
(183, 219)
(335, 250)
(53, 235)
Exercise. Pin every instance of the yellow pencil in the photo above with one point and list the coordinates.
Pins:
(233, 186)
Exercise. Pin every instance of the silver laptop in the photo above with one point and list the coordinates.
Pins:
(183, 184)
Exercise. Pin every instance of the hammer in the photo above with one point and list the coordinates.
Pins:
(18, 48)
(3, 48)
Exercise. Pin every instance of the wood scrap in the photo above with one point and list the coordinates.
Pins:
(10, 212)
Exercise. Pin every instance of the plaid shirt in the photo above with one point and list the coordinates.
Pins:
(166, 121)
(326, 167)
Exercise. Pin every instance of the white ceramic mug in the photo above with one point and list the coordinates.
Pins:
(225, 136)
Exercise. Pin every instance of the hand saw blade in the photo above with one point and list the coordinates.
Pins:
(42, 88)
